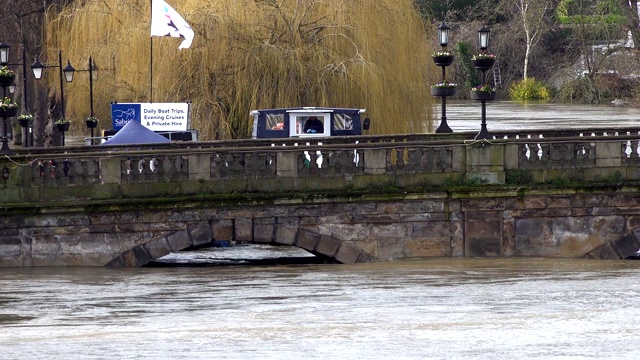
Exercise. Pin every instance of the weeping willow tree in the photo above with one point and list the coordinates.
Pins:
(251, 54)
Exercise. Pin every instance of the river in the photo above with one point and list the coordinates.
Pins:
(510, 115)
(427, 309)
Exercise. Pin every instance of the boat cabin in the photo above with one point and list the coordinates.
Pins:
(305, 122)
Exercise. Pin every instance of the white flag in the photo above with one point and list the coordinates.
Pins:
(167, 22)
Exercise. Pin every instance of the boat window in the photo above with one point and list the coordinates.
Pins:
(342, 122)
(309, 125)
(274, 122)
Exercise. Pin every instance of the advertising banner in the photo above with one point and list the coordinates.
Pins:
(159, 117)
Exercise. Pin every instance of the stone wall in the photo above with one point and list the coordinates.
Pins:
(347, 230)
(402, 197)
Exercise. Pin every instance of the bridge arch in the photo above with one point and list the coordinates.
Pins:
(621, 248)
(202, 235)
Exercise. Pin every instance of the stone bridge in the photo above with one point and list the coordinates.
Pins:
(397, 197)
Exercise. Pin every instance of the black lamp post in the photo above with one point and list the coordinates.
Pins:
(484, 92)
(7, 84)
(67, 72)
(444, 89)
(25, 96)
(93, 75)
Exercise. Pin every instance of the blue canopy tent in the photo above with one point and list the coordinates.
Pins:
(134, 133)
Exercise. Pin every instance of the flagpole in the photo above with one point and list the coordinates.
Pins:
(151, 61)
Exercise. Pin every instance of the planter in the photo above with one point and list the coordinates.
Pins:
(24, 122)
(443, 91)
(91, 124)
(63, 127)
(9, 112)
(443, 60)
(483, 95)
(6, 80)
(483, 64)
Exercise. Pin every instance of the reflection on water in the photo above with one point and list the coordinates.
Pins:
(465, 115)
(239, 254)
(433, 309)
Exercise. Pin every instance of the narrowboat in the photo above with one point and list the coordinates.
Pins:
(308, 122)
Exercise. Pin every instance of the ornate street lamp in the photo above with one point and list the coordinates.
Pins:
(443, 34)
(443, 59)
(483, 37)
(4, 53)
(67, 73)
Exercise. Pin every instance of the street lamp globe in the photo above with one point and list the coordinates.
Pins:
(483, 37)
(443, 34)
(37, 68)
(68, 72)
(4, 53)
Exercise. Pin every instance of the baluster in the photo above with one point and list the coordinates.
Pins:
(444, 159)
(345, 164)
(216, 167)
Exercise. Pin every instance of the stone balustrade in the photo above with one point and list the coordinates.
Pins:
(126, 206)
(290, 166)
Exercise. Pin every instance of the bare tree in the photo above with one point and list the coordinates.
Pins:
(532, 17)
(630, 9)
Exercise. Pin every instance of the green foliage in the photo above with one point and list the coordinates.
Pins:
(470, 75)
(589, 12)
(518, 177)
(529, 89)
(580, 90)
(616, 178)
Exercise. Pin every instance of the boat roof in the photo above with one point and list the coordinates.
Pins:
(309, 109)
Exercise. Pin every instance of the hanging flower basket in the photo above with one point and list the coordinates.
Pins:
(92, 122)
(8, 108)
(483, 61)
(63, 125)
(25, 119)
(8, 112)
(443, 60)
(6, 76)
(443, 90)
(483, 95)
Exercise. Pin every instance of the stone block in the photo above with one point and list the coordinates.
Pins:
(263, 232)
(511, 155)
(307, 240)
(287, 230)
(626, 246)
(222, 230)
(375, 161)
(110, 171)
(483, 234)
(179, 241)
(348, 254)
(485, 158)
(157, 248)
(141, 255)
(200, 233)
(431, 239)
(608, 154)
(243, 229)
(287, 164)
(327, 246)
(603, 252)
(199, 167)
